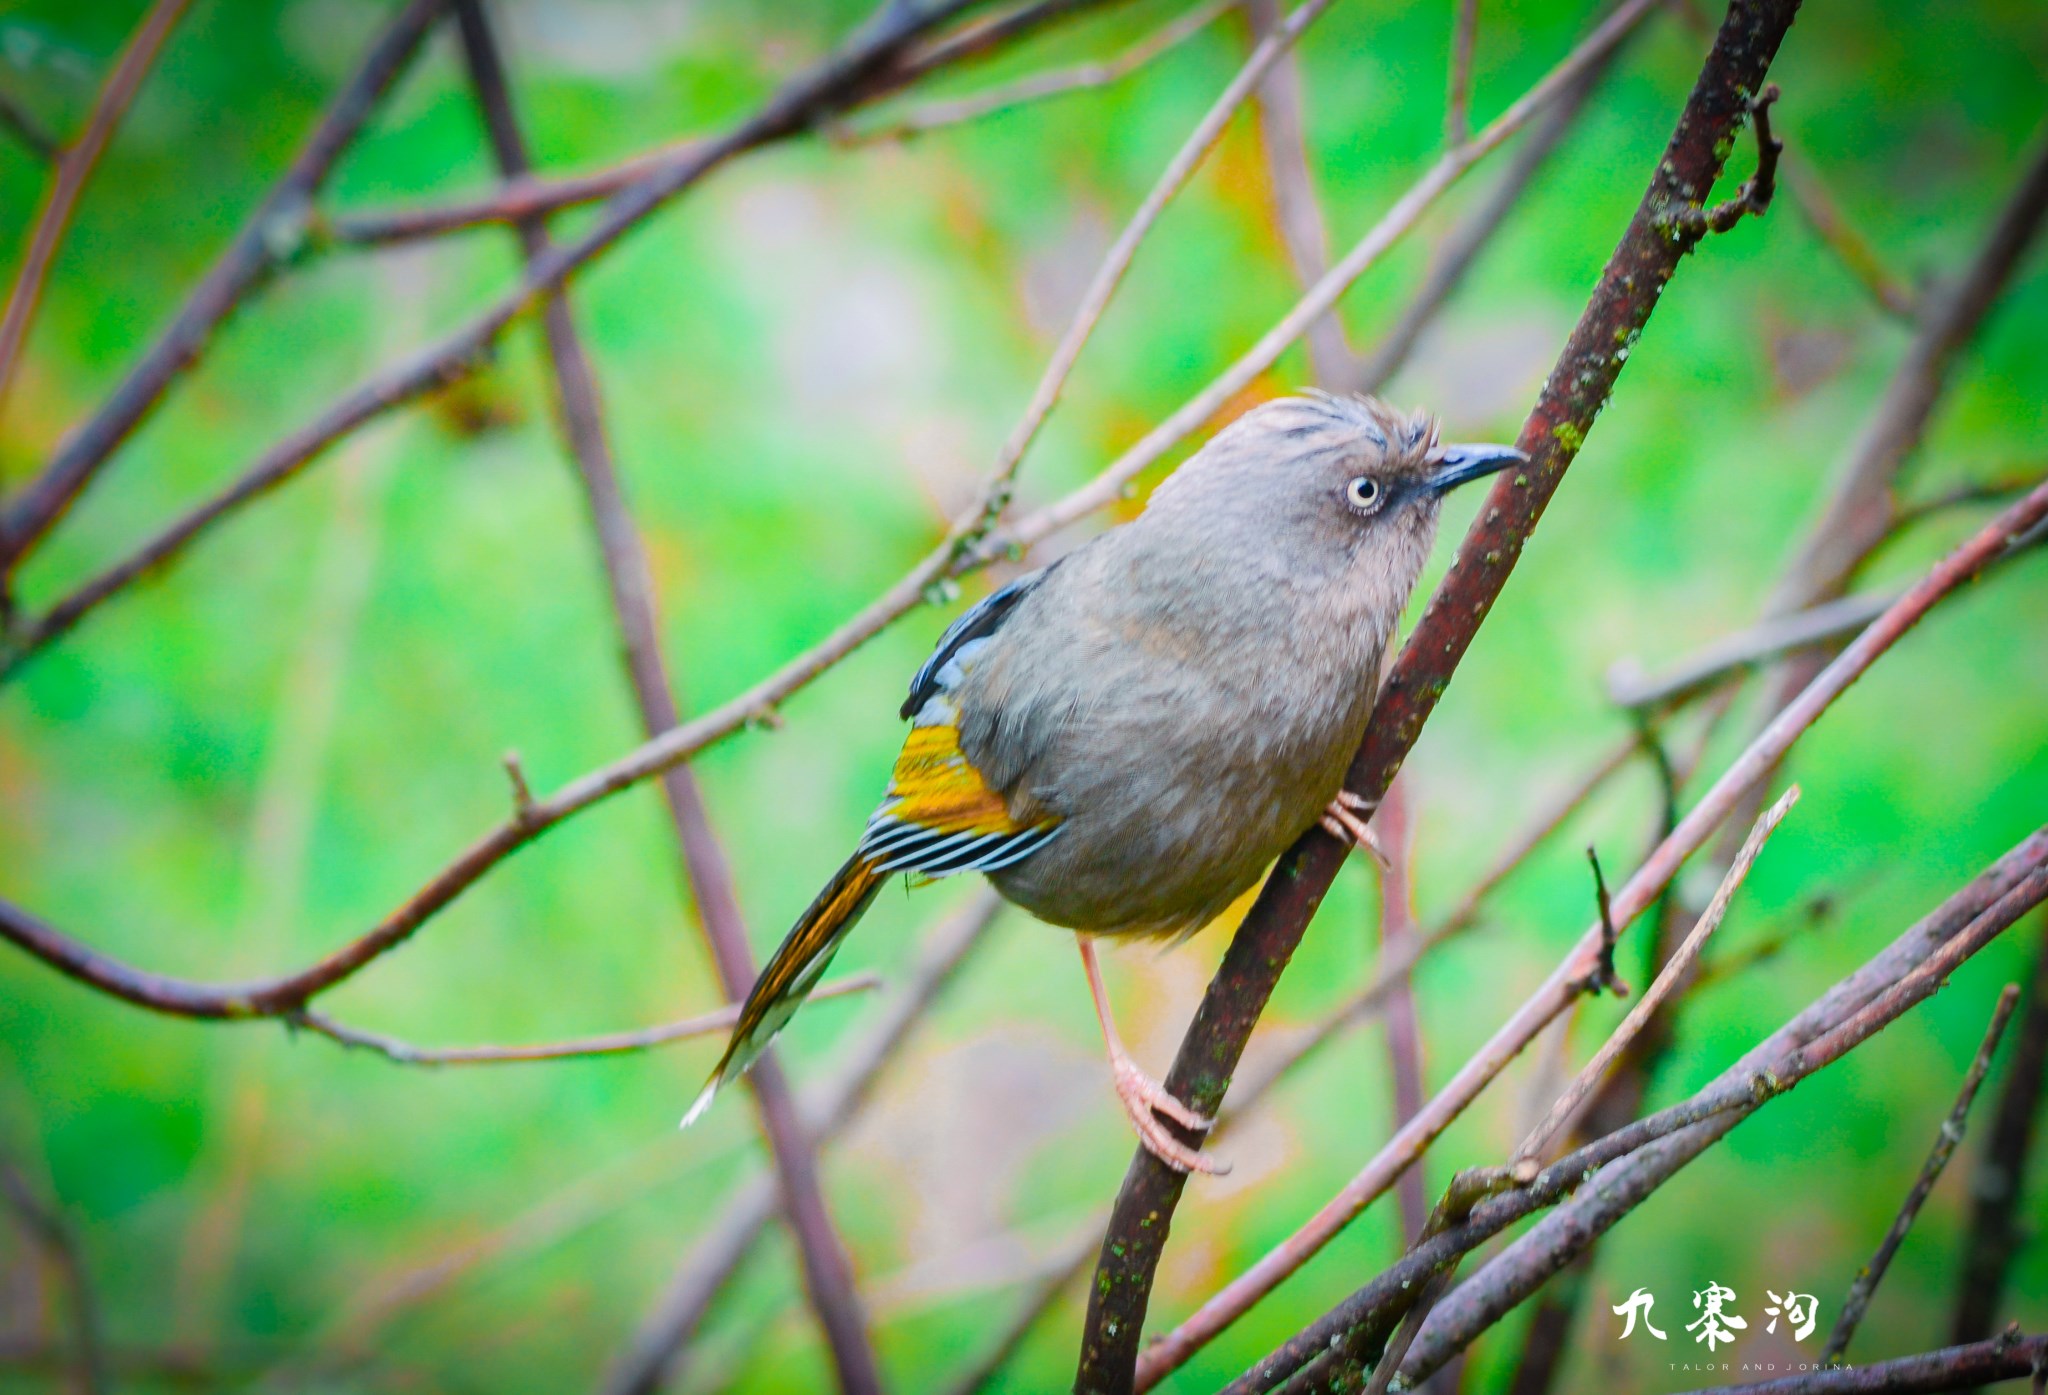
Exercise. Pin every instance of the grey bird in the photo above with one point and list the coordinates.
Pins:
(1124, 741)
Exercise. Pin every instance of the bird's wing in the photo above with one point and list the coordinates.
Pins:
(941, 673)
(940, 816)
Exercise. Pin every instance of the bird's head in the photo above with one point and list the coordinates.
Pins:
(1325, 489)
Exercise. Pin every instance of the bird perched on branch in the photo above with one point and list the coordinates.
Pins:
(1124, 741)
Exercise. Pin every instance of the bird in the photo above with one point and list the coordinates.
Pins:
(1124, 741)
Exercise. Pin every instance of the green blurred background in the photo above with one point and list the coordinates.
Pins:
(807, 364)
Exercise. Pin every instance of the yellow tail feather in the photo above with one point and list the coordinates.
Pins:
(790, 976)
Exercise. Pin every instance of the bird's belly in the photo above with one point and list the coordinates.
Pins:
(1161, 846)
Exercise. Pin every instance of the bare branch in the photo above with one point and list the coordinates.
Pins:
(1952, 1128)
(263, 241)
(1458, 94)
(1675, 971)
(1283, 135)
(1998, 1184)
(959, 111)
(1578, 388)
(828, 1274)
(75, 165)
(406, 1053)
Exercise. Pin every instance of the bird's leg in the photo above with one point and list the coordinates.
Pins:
(1140, 1093)
(1346, 821)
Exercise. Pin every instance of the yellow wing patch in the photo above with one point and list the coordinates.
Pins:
(935, 787)
(941, 817)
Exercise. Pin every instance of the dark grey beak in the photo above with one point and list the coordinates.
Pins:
(1458, 465)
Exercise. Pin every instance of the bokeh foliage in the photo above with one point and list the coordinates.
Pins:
(806, 365)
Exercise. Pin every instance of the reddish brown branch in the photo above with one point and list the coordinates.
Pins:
(255, 251)
(1945, 1143)
(828, 1274)
(74, 167)
(1577, 389)
(1999, 1182)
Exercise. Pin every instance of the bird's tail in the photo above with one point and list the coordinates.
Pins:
(793, 972)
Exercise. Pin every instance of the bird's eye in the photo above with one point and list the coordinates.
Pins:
(1364, 493)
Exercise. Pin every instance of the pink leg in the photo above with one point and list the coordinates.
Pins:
(1140, 1093)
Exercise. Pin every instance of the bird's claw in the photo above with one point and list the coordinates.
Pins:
(1346, 820)
(1145, 1100)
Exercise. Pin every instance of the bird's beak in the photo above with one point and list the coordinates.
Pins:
(1458, 465)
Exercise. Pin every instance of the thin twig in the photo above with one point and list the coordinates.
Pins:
(1862, 508)
(1839, 234)
(1471, 234)
(1998, 1183)
(1675, 971)
(1872, 1274)
(1458, 91)
(1394, 821)
(828, 1275)
(1283, 137)
(406, 1053)
(47, 1230)
(74, 167)
(1753, 199)
(22, 124)
(1812, 628)
(959, 111)
(1557, 992)
(267, 238)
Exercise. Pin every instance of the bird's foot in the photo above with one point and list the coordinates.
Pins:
(1145, 1100)
(1346, 821)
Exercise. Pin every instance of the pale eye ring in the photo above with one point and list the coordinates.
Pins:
(1364, 493)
